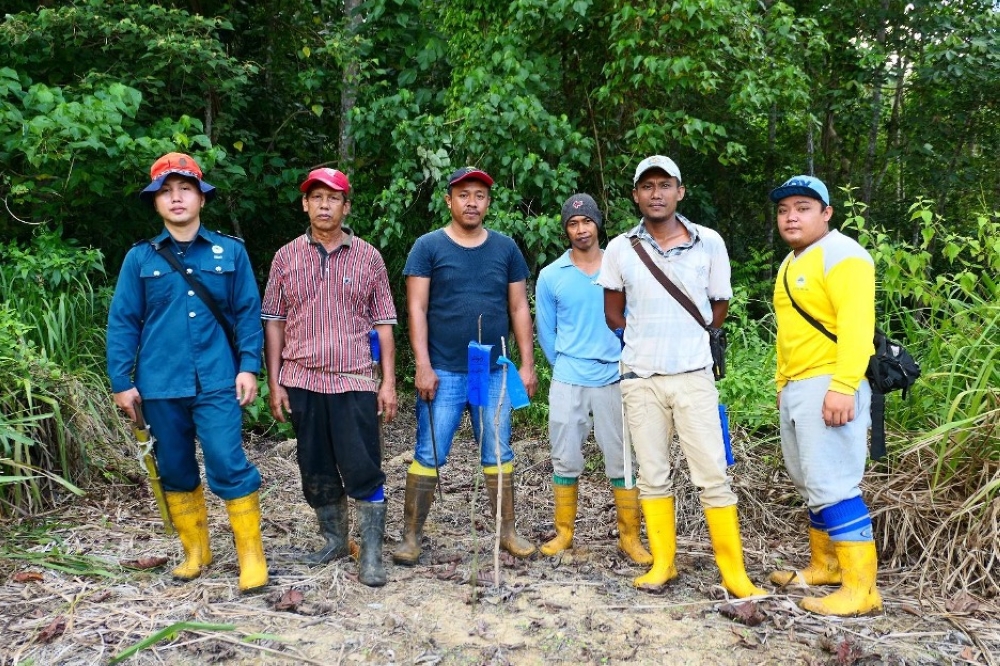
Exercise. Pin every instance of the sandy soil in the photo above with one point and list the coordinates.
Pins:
(577, 608)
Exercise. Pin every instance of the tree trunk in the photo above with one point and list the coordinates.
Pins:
(349, 90)
(878, 79)
(772, 138)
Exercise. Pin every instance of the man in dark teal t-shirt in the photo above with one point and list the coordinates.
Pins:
(459, 280)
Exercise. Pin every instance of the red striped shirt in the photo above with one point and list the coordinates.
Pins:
(328, 302)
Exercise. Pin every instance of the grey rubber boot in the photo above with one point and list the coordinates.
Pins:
(332, 526)
(371, 525)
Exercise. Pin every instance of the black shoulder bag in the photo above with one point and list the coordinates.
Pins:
(891, 368)
(199, 290)
(716, 336)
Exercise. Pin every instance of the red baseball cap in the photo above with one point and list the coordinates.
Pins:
(470, 173)
(332, 178)
(182, 165)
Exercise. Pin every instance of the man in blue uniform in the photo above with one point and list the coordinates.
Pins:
(585, 392)
(168, 351)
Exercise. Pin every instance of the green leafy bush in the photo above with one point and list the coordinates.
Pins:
(55, 401)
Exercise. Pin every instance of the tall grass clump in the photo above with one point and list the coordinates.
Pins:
(940, 295)
(54, 410)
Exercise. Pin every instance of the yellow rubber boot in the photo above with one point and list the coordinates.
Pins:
(190, 517)
(244, 516)
(724, 529)
(565, 518)
(627, 503)
(823, 569)
(416, 505)
(510, 540)
(857, 594)
(661, 529)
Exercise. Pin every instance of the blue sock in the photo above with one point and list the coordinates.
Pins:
(848, 520)
(377, 496)
(816, 521)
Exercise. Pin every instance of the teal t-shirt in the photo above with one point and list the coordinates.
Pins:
(466, 283)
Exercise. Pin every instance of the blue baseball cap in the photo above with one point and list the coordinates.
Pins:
(807, 186)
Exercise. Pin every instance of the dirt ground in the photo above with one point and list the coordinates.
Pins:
(578, 608)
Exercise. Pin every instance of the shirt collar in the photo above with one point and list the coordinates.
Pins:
(640, 231)
(202, 233)
(345, 240)
(563, 260)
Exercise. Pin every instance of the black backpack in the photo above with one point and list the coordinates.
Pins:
(891, 368)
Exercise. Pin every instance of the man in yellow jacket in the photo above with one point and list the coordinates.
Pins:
(824, 302)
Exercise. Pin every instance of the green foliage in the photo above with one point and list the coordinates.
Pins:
(40, 548)
(55, 402)
(257, 415)
(748, 390)
(535, 417)
(942, 296)
(77, 132)
(168, 634)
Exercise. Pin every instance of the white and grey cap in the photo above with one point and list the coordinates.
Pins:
(657, 162)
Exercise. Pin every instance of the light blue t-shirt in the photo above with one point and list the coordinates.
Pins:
(569, 309)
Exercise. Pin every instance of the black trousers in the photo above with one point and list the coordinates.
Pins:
(338, 444)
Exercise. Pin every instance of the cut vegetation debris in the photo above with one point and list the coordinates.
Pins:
(58, 606)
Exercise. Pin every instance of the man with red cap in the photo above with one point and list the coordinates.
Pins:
(182, 357)
(457, 277)
(327, 292)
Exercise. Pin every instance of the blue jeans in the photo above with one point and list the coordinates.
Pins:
(449, 404)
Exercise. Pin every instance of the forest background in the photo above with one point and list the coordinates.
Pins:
(893, 104)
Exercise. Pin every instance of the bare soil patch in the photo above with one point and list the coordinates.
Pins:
(577, 608)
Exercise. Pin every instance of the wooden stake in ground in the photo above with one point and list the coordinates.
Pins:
(496, 446)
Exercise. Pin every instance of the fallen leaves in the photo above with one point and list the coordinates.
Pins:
(747, 612)
(54, 630)
(289, 601)
(844, 650)
(144, 563)
(27, 577)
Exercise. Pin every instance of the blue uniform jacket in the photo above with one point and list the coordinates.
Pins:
(161, 332)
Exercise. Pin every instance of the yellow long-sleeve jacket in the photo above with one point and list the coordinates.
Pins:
(834, 281)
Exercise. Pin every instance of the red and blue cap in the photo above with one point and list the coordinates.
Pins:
(175, 163)
(470, 173)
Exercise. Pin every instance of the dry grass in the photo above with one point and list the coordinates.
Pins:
(938, 578)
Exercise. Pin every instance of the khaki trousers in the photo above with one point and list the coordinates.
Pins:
(687, 405)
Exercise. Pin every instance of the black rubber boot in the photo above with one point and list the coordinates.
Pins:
(371, 525)
(333, 527)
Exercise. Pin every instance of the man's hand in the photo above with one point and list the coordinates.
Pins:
(277, 400)
(528, 378)
(246, 388)
(838, 409)
(126, 401)
(387, 405)
(426, 382)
